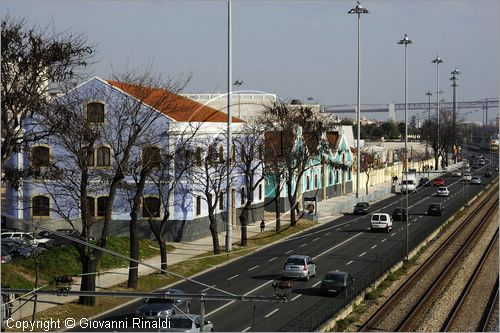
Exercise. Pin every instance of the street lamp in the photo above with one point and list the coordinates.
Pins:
(229, 231)
(454, 84)
(428, 94)
(437, 61)
(358, 10)
(238, 83)
(406, 41)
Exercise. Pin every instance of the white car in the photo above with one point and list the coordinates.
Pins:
(456, 173)
(186, 323)
(467, 177)
(475, 180)
(27, 236)
(381, 221)
(442, 192)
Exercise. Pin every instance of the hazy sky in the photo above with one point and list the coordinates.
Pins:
(295, 49)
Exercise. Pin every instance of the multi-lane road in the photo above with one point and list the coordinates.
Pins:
(345, 244)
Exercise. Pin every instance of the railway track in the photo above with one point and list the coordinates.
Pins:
(406, 309)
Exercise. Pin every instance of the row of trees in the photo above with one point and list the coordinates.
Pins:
(390, 130)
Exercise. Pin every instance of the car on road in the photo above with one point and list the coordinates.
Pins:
(154, 308)
(487, 173)
(424, 181)
(361, 208)
(467, 177)
(28, 236)
(381, 221)
(439, 182)
(336, 282)
(465, 169)
(187, 323)
(299, 267)
(399, 214)
(442, 191)
(435, 209)
(456, 173)
(475, 180)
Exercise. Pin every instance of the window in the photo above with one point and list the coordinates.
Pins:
(242, 195)
(337, 177)
(211, 154)
(90, 206)
(315, 181)
(197, 156)
(330, 178)
(151, 207)
(221, 154)
(103, 156)
(260, 191)
(221, 201)
(243, 153)
(88, 155)
(198, 205)
(308, 183)
(102, 202)
(95, 112)
(151, 156)
(40, 156)
(41, 206)
(233, 157)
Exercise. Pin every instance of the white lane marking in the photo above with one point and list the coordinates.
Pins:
(409, 223)
(207, 288)
(420, 215)
(293, 299)
(288, 251)
(339, 244)
(350, 262)
(393, 234)
(374, 246)
(272, 259)
(383, 240)
(362, 254)
(347, 224)
(314, 285)
(315, 239)
(246, 329)
(327, 233)
(271, 313)
(254, 267)
(303, 245)
(232, 277)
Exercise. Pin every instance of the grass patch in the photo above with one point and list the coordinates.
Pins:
(342, 324)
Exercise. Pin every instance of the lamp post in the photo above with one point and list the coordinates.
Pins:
(428, 94)
(229, 226)
(358, 10)
(454, 84)
(437, 61)
(406, 41)
(238, 83)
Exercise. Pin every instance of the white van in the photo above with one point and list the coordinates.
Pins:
(381, 221)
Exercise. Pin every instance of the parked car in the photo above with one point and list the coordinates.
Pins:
(361, 208)
(475, 180)
(57, 240)
(466, 169)
(19, 248)
(439, 182)
(154, 308)
(424, 181)
(456, 173)
(435, 209)
(487, 173)
(442, 191)
(28, 236)
(299, 266)
(336, 282)
(187, 323)
(467, 177)
(399, 214)
(5, 256)
(381, 221)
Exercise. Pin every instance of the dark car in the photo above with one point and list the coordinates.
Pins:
(18, 248)
(154, 308)
(424, 181)
(487, 173)
(399, 214)
(435, 209)
(361, 208)
(335, 283)
(58, 240)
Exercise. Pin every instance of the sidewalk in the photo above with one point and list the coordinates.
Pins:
(327, 210)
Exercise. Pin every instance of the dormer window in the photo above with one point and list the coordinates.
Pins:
(40, 156)
(95, 112)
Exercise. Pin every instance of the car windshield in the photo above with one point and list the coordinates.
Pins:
(361, 204)
(442, 189)
(294, 261)
(180, 323)
(159, 300)
(334, 278)
(404, 182)
(435, 206)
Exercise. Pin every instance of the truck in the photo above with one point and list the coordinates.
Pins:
(409, 183)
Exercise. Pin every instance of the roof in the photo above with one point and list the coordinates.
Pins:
(311, 140)
(276, 144)
(332, 138)
(177, 107)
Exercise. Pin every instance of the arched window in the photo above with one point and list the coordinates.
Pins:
(260, 191)
(197, 156)
(315, 181)
(336, 177)
(40, 156)
(151, 207)
(90, 206)
(330, 178)
(103, 156)
(102, 202)
(40, 206)
(221, 154)
(198, 205)
(95, 112)
(87, 154)
(308, 183)
(221, 201)
(151, 156)
(211, 154)
(242, 195)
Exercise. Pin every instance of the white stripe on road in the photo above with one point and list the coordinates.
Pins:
(254, 267)
(246, 329)
(293, 299)
(272, 259)
(350, 262)
(383, 240)
(314, 285)
(393, 234)
(362, 254)
(409, 223)
(303, 245)
(207, 288)
(327, 233)
(271, 313)
(315, 239)
(374, 246)
(232, 277)
(288, 251)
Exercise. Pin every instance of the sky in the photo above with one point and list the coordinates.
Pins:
(295, 49)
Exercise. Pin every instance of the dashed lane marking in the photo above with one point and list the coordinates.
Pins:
(293, 299)
(393, 234)
(315, 239)
(288, 251)
(374, 246)
(272, 259)
(234, 276)
(362, 254)
(271, 313)
(350, 262)
(314, 285)
(383, 240)
(303, 245)
(254, 267)
(246, 329)
(327, 233)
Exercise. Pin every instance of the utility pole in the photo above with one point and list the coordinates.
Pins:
(229, 225)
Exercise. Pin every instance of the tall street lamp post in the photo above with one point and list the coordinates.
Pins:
(406, 41)
(358, 10)
(454, 84)
(229, 210)
(437, 61)
(428, 94)
(238, 83)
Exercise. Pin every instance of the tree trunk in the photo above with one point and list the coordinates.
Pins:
(278, 211)
(213, 231)
(158, 233)
(89, 268)
(292, 211)
(436, 161)
(367, 182)
(244, 223)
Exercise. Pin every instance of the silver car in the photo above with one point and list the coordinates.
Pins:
(299, 267)
(154, 308)
(187, 323)
(475, 180)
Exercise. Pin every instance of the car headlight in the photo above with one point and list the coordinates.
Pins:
(165, 313)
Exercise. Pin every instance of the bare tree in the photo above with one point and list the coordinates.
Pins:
(34, 60)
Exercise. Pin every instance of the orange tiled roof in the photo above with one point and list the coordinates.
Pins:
(177, 107)
(332, 139)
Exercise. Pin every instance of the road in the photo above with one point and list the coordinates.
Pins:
(344, 244)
